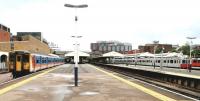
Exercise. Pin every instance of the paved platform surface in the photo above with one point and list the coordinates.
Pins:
(172, 71)
(94, 85)
(5, 77)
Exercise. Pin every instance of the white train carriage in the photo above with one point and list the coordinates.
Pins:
(173, 60)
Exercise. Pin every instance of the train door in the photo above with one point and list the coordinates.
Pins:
(11, 62)
(26, 63)
(18, 62)
(33, 62)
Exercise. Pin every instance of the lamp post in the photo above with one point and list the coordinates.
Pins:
(190, 38)
(77, 57)
(155, 46)
(76, 49)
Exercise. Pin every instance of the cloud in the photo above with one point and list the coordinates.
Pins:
(135, 21)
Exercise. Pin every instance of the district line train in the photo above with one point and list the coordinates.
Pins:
(24, 62)
(173, 62)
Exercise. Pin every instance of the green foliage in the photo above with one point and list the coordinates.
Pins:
(196, 53)
(158, 50)
(174, 50)
(185, 49)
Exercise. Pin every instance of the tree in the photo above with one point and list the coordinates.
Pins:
(174, 50)
(196, 53)
(158, 50)
(185, 49)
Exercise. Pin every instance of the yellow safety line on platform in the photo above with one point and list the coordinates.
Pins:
(148, 91)
(4, 90)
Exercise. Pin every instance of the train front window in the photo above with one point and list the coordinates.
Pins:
(18, 58)
(26, 58)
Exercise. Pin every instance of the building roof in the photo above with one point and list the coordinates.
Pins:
(113, 54)
(83, 54)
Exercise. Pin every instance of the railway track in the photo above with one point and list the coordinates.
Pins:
(191, 93)
(18, 79)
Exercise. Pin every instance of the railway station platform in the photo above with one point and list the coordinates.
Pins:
(165, 70)
(57, 84)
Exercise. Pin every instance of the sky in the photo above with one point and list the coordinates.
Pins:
(134, 21)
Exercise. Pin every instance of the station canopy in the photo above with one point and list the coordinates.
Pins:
(113, 54)
(81, 54)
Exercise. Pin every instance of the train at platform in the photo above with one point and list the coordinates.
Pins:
(172, 62)
(25, 62)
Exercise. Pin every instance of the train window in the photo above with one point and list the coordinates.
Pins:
(18, 58)
(167, 61)
(183, 61)
(171, 61)
(26, 58)
(158, 61)
(43, 60)
(49, 60)
(195, 61)
(38, 60)
(164, 61)
(174, 61)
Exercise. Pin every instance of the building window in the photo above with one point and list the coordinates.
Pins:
(118, 48)
(109, 48)
(113, 48)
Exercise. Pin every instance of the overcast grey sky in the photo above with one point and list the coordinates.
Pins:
(135, 21)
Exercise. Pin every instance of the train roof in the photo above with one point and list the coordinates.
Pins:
(53, 55)
(20, 51)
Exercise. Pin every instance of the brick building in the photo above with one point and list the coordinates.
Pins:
(196, 47)
(150, 47)
(4, 33)
(27, 42)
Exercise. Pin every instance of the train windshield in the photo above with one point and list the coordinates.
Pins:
(26, 58)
